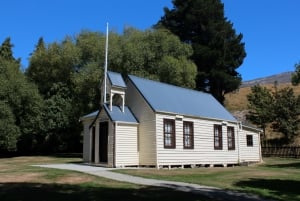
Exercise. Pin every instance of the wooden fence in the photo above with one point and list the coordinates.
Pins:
(281, 151)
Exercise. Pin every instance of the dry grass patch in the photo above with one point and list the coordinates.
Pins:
(19, 178)
(19, 169)
(4, 167)
(74, 179)
(20, 181)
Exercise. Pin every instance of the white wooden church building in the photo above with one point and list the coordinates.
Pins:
(149, 123)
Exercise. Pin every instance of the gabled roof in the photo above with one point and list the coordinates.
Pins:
(172, 99)
(115, 115)
(90, 115)
(116, 79)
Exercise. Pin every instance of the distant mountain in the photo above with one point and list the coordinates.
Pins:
(281, 78)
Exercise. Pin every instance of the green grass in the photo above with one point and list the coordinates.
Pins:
(276, 178)
(21, 181)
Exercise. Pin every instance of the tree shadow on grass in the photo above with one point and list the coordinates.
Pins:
(282, 189)
(285, 165)
(64, 192)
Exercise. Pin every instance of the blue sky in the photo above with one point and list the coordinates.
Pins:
(270, 27)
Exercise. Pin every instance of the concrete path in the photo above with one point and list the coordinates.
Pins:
(211, 192)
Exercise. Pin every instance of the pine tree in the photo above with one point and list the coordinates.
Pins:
(286, 113)
(6, 51)
(260, 106)
(218, 50)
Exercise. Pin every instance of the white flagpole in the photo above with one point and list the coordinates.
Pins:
(105, 64)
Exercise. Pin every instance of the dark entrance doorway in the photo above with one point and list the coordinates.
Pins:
(93, 145)
(103, 141)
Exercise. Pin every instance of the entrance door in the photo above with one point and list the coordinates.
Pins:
(93, 145)
(103, 141)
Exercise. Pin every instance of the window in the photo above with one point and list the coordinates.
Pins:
(249, 140)
(169, 133)
(230, 138)
(218, 137)
(188, 135)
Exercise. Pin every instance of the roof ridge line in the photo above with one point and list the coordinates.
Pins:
(172, 85)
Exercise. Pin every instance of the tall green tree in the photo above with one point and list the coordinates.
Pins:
(261, 107)
(6, 52)
(280, 109)
(295, 79)
(52, 64)
(286, 113)
(218, 49)
(62, 129)
(152, 53)
(20, 105)
(92, 48)
(9, 131)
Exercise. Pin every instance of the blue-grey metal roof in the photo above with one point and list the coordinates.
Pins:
(117, 115)
(93, 114)
(172, 99)
(116, 79)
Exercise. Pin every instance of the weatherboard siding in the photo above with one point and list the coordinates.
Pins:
(146, 128)
(86, 141)
(126, 145)
(203, 152)
(251, 153)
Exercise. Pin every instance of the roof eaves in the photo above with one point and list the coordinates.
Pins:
(89, 116)
(127, 122)
(107, 112)
(198, 117)
(252, 128)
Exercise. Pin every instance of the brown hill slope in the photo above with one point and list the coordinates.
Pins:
(237, 103)
(280, 78)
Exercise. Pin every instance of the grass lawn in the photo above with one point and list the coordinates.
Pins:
(20, 181)
(276, 178)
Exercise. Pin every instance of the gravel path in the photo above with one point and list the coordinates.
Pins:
(211, 192)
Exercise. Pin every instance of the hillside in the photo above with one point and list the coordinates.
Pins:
(236, 102)
(281, 78)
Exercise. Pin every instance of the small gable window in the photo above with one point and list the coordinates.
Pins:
(169, 133)
(218, 137)
(249, 140)
(188, 135)
(230, 138)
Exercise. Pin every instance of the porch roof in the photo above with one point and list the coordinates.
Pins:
(116, 114)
